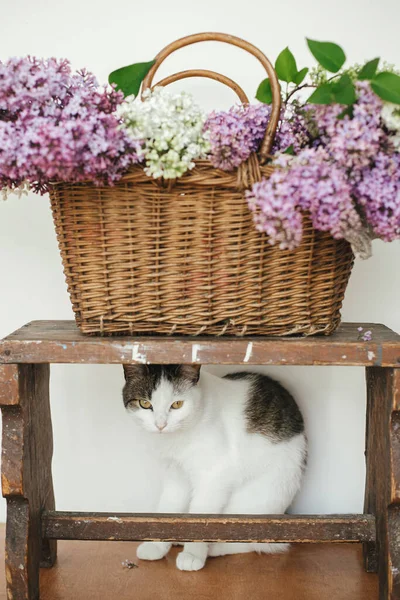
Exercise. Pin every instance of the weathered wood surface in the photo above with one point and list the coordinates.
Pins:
(26, 476)
(211, 528)
(61, 342)
(9, 394)
(382, 496)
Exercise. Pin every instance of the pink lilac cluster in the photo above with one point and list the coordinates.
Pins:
(354, 140)
(57, 125)
(236, 133)
(275, 210)
(292, 133)
(378, 192)
(366, 336)
(310, 185)
(347, 179)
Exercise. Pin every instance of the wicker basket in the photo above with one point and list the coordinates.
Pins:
(143, 257)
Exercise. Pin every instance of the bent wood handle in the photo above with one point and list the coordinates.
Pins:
(234, 41)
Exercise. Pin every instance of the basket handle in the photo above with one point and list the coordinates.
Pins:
(210, 75)
(234, 41)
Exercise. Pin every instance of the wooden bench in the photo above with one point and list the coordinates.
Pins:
(33, 524)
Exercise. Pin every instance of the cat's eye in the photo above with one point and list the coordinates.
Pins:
(145, 404)
(177, 404)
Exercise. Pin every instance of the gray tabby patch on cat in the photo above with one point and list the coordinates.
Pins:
(230, 445)
(270, 409)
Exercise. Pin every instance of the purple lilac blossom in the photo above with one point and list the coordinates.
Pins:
(292, 132)
(352, 141)
(235, 134)
(57, 125)
(378, 192)
(308, 183)
(351, 169)
(273, 203)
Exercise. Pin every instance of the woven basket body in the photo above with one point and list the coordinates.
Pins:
(142, 258)
(185, 258)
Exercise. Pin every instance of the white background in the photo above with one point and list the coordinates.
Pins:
(98, 464)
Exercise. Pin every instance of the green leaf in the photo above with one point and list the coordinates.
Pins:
(369, 69)
(387, 86)
(344, 90)
(128, 79)
(349, 111)
(289, 150)
(322, 95)
(264, 92)
(299, 77)
(285, 66)
(329, 55)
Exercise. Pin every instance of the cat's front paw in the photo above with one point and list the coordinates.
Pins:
(189, 562)
(153, 550)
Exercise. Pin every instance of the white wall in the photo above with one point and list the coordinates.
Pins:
(97, 463)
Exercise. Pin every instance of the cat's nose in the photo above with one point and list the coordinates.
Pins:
(161, 426)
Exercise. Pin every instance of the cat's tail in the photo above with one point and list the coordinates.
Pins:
(224, 548)
(267, 548)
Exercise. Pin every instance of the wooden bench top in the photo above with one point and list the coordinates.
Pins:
(61, 342)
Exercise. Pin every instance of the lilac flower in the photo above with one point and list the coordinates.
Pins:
(292, 131)
(275, 210)
(323, 190)
(56, 125)
(378, 192)
(308, 183)
(347, 179)
(235, 134)
(367, 336)
(352, 141)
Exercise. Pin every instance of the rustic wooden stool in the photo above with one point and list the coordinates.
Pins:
(33, 524)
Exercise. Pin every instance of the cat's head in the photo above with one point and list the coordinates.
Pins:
(162, 398)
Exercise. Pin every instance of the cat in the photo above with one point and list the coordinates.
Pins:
(231, 445)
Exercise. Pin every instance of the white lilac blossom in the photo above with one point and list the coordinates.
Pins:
(390, 115)
(20, 190)
(170, 130)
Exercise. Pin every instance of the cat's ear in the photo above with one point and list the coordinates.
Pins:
(134, 370)
(190, 372)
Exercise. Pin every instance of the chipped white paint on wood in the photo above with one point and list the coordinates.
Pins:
(371, 355)
(195, 350)
(116, 519)
(137, 356)
(249, 352)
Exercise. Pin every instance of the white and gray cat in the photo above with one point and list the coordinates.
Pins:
(231, 445)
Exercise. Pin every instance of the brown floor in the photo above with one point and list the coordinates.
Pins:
(93, 571)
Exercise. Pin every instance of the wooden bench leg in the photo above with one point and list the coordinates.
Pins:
(382, 494)
(26, 475)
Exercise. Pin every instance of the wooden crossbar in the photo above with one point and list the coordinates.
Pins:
(208, 528)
